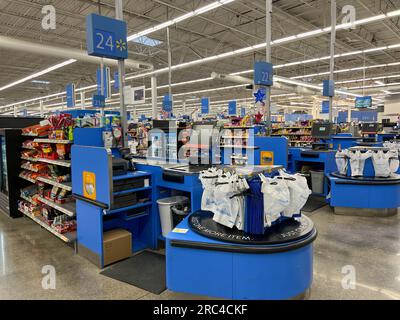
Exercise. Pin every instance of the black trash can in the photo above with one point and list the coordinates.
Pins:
(179, 212)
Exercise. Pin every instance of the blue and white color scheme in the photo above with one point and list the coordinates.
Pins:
(325, 107)
(107, 82)
(106, 37)
(116, 81)
(167, 103)
(99, 101)
(328, 88)
(70, 89)
(263, 73)
(205, 105)
(232, 110)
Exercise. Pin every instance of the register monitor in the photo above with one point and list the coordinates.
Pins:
(367, 129)
(321, 131)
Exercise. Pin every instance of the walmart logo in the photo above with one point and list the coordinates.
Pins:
(121, 45)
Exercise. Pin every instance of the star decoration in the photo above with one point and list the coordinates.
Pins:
(121, 45)
(260, 96)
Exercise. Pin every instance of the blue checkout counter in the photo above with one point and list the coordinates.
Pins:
(314, 160)
(364, 196)
(205, 258)
(278, 265)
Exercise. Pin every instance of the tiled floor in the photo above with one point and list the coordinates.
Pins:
(370, 245)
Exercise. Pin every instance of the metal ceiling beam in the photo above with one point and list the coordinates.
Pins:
(67, 53)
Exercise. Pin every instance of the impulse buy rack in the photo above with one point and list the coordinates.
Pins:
(46, 196)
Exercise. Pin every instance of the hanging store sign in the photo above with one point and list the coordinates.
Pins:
(232, 110)
(70, 89)
(106, 37)
(363, 102)
(328, 88)
(116, 81)
(167, 103)
(107, 82)
(205, 105)
(325, 107)
(99, 101)
(242, 112)
(263, 73)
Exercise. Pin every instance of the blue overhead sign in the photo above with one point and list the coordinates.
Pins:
(70, 89)
(328, 88)
(325, 107)
(242, 112)
(116, 81)
(263, 73)
(99, 101)
(205, 105)
(232, 108)
(106, 37)
(364, 102)
(106, 82)
(167, 103)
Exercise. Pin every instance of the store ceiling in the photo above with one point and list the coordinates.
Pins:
(233, 26)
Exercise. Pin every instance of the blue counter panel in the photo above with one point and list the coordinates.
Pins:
(233, 275)
(90, 227)
(357, 195)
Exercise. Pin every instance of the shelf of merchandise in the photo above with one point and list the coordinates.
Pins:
(63, 185)
(63, 163)
(27, 179)
(28, 168)
(28, 199)
(42, 140)
(68, 208)
(30, 159)
(67, 237)
(31, 135)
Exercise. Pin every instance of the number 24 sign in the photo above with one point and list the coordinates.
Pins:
(106, 37)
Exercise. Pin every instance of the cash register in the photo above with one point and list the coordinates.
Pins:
(321, 132)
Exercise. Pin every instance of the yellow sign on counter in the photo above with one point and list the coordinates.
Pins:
(89, 185)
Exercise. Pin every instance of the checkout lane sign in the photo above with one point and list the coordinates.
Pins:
(106, 37)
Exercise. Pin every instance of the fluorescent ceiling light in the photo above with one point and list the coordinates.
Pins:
(181, 18)
(40, 82)
(38, 74)
(346, 70)
(255, 47)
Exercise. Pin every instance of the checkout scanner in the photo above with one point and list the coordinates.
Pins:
(321, 131)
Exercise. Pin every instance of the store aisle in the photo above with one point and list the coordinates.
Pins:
(371, 245)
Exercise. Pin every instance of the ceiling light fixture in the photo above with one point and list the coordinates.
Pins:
(38, 74)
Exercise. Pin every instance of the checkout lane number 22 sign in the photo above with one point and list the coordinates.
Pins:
(106, 37)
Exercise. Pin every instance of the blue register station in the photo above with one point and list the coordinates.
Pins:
(202, 257)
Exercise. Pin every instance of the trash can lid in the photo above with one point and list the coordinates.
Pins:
(173, 200)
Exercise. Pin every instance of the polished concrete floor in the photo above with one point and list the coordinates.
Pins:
(370, 246)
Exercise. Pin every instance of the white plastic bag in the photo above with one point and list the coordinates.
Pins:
(357, 162)
(380, 160)
(299, 193)
(276, 198)
(342, 161)
(208, 179)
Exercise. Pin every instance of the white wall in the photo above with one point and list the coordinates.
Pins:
(392, 109)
